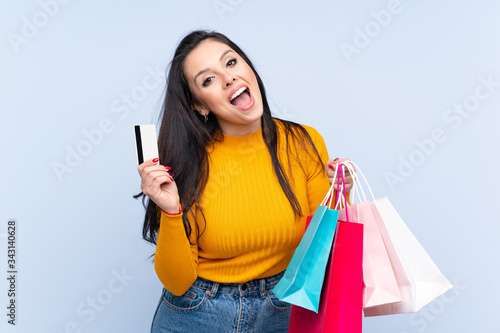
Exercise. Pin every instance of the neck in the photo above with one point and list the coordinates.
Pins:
(232, 129)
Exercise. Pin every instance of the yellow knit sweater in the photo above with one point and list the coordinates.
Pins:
(251, 231)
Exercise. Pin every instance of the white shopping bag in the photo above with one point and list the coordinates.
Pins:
(419, 280)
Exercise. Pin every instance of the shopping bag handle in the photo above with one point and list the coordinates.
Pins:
(341, 192)
(356, 188)
(350, 166)
(329, 194)
(327, 201)
(329, 197)
(338, 194)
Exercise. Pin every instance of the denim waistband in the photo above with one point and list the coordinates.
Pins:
(260, 285)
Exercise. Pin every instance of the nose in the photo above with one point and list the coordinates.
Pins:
(229, 79)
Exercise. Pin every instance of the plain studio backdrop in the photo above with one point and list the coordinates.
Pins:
(409, 90)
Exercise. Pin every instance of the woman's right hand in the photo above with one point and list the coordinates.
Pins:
(159, 185)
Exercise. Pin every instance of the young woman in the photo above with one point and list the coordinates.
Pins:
(227, 223)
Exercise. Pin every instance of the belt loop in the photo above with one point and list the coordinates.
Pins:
(262, 287)
(214, 289)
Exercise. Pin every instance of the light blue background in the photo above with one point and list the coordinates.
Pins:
(78, 231)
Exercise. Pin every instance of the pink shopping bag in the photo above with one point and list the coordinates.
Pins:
(380, 285)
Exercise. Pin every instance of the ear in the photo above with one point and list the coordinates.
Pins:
(200, 108)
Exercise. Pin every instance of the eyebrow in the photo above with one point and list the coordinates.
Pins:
(206, 69)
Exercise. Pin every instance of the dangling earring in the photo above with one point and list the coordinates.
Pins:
(206, 118)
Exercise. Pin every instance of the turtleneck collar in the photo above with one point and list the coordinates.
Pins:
(242, 144)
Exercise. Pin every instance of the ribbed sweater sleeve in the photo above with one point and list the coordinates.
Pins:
(175, 260)
(317, 181)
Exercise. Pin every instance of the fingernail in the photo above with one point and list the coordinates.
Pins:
(331, 166)
(336, 159)
(155, 160)
(171, 179)
(171, 174)
(167, 167)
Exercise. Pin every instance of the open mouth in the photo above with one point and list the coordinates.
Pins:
(241, 98)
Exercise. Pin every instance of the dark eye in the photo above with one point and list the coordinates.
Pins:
(231, 62)
(207, 81)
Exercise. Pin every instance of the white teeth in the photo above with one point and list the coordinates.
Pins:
(238, 92)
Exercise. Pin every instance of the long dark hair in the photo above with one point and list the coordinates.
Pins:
(184, 137)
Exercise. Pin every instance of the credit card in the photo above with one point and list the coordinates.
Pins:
(146, 144)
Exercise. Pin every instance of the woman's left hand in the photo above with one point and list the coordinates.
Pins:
(330, 172)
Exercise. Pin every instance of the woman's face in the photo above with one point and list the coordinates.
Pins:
(223, 84)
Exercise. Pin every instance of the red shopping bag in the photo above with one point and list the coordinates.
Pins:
(340, 307)
(341, 303)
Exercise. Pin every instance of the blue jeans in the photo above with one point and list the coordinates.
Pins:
(223, 307)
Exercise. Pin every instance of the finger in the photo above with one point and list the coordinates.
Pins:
(154, 190)
(152, 187)
(348, 187)
(348, 180)
(332, 164)
(154, 167)
(154, 176)
(345, 171)
(149, 177)
(147, 163)
(347, 166)
(330, 161)
(330, 172)
(349, 162)
(343, 161)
